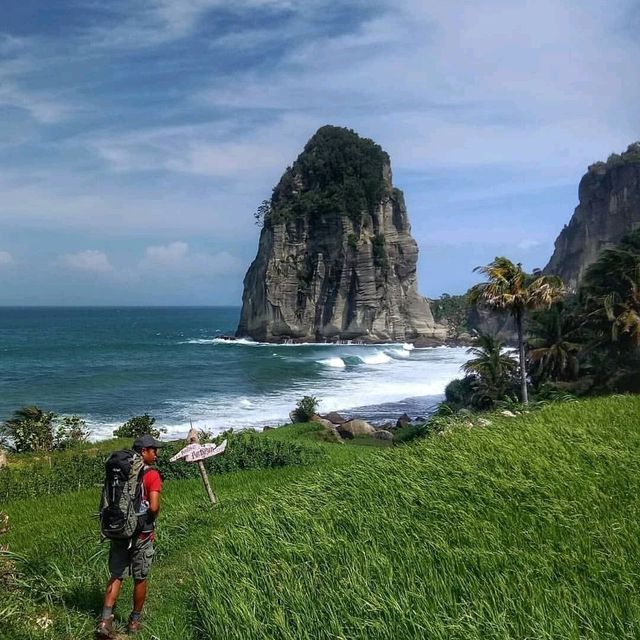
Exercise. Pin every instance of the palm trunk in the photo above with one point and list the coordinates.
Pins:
(523, 366)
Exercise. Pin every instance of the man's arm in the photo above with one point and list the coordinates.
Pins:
(154, 503)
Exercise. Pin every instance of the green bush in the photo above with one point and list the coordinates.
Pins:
(60, 474)
(138, 426)
(306, 407)
(32, 429)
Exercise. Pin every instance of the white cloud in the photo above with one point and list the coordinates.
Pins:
(5, 258)
(42, 108)
(168, 255)
(528, 243)
(178, 259)
(90, 260)
(147, 23)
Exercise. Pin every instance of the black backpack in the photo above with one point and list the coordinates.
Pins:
(120, 506)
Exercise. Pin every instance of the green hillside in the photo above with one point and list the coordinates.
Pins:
(526, 528)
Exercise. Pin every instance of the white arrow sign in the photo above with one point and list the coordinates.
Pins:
(195, 452)
(184, 452)
(205, 451)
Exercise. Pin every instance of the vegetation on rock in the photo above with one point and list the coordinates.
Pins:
(305, 408)
(338, 173)
(631, 155)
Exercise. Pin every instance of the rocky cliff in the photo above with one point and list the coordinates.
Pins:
(336, 259)
(609, 208)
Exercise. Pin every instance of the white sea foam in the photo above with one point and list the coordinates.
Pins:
(336, 363)
(338, 387)
(253, 343)
(376, 358)
(236, 341)
(398, 353)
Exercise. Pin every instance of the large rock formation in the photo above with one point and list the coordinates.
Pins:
(336, 259)
(609, 208)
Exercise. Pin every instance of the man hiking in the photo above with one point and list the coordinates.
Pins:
(133, 556)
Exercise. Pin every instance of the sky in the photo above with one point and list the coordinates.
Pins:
(138, 137)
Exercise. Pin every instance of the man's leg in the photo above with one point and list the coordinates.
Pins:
(139, 595)
(105, 627)
(112, 592)
(142, 559)
(118, 567)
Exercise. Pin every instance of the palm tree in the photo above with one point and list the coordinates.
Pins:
(509, 288)
(611, 287)
(550, 349)
(493, 368)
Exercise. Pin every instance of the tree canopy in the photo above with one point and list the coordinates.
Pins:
(337, 173)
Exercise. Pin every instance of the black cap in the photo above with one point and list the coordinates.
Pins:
(146, 442)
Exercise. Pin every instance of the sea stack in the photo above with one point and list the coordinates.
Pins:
(336, 260)
(608, 209)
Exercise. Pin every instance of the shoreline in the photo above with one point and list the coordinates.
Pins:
(375, 414)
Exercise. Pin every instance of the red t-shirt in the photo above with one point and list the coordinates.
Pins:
(151, 481)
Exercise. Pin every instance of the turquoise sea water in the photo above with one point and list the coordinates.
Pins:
(108, 364)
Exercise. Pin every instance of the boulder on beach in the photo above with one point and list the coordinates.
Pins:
(335, 418)
(403, 421)
(355, 428)
(327, 424)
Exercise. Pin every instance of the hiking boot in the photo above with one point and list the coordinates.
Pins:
(105, 629)
(133, 626)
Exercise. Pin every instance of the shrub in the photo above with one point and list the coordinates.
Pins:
(138, 426)
(71, 431)
(64, 473)
(32, 429)
(306, 407)
(459, 392)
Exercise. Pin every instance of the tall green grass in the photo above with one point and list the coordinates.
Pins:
(62, 567)
(527, 528)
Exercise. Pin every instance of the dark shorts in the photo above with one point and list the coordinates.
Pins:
(131, 558)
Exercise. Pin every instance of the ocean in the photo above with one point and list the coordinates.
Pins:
(108, 364)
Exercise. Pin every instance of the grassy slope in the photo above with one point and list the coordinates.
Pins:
(63, 563)
(528, 528)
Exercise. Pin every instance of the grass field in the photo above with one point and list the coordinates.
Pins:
(526, 528)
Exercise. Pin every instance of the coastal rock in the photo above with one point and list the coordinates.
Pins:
(355, 428)
(383, 434)
(403, 421)
(3, 459)
(608, 209)
(327, 424)
(334, 417)
(336, 259)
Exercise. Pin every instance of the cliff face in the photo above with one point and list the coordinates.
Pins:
(336, 259)
(609, 208)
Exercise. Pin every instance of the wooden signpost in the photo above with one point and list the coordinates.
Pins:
(196, 452)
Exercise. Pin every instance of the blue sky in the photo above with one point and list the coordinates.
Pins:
(138, 137)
